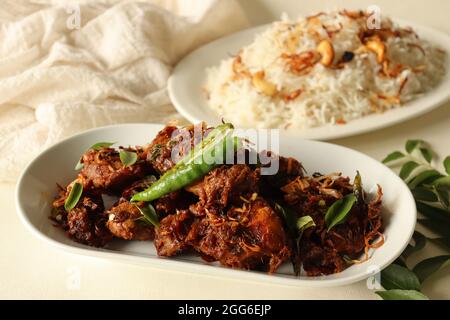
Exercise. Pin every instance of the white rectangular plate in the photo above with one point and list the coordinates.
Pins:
(36, 190)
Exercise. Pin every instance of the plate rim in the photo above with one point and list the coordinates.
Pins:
(189, 267)
(379, 125)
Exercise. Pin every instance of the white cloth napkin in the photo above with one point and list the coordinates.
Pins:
(57, 79)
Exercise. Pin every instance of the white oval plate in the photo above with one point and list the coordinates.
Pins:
(36, 189)
(189, 76)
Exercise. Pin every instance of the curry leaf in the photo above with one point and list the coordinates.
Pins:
(79, 165)
(437, 227)
(393, 156)
(398, 294)
(407, 169)
(442, 183)
(149, 214)
(128, 158)
(419, 243)
(304, 223)
(74, 196)
(101, 145)
(289, 216)
(427, 267)
(339, 211)
(412, 145)
(433, 213)
(398, 277)
(401, 262)
(447, 165)
(443, 242)
(424, 194)
(426, 154)
(423, 177)
(443, 197)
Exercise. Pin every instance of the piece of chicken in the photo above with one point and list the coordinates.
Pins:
(322, 251)
(289, 169)
(170, 237)
(172, 144)
(168, 204)
(250, 237)
(102, 169)
(125, 222)
(86, 222)
(229, 223)
(320, 260)
(224, 186)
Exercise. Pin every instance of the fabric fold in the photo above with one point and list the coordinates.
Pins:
(58, 78)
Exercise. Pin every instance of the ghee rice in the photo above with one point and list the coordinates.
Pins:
(324, 69)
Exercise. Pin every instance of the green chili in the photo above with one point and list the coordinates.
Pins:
(192, 167)
(358, 190)
(214, 138)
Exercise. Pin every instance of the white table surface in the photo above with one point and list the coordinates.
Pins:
(31, 269)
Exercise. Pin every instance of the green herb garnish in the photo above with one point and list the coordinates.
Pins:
(79, 165)
(100, 145)
(338, 212)
(128, 158)
(74, 196)
(288, 215)
(149, 215)
(156, 151)
(304, 223)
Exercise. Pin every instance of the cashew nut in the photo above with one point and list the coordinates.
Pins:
(376, 46)
(326, 50)
(263, 86)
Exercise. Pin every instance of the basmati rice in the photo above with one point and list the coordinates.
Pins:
(279, 81)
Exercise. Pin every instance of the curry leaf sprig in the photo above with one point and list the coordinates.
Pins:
(430, 188)
(428, 184)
